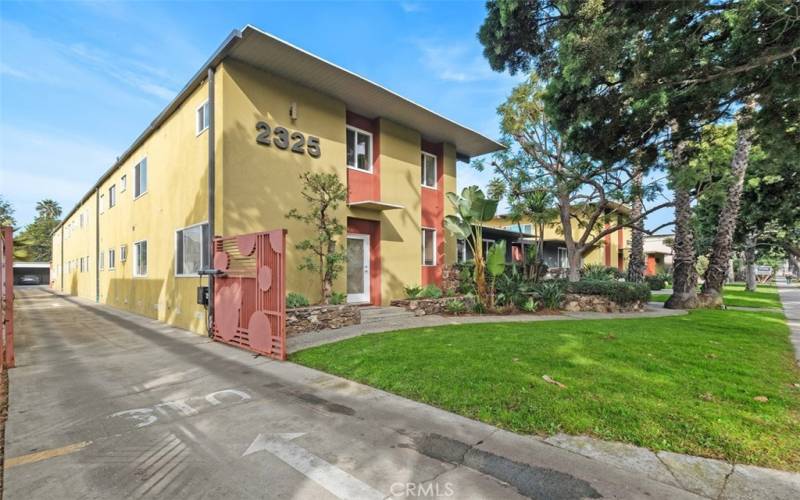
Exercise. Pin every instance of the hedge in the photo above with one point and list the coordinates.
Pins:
(621, 292)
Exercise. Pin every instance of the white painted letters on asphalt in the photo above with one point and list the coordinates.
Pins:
(333, 479)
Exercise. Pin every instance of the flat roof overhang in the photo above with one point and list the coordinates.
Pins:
(374, 205)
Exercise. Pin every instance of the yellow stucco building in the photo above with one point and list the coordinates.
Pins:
(256, 116)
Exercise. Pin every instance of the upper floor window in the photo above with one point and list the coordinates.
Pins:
(123, 253)
(123, 183)
(359, 149)
(429, 174)
(112, 196)
(140, 178)
(101, 260)
(192, 249)
(201, 122)
(112, 258)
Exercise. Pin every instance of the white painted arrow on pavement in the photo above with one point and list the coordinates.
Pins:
(333, 479)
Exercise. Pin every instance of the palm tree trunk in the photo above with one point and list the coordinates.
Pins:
(750, 262)
(684, 274)
(636, 265)
(717, 271)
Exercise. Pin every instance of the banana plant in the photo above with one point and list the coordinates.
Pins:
(472, 210)
(495, 265)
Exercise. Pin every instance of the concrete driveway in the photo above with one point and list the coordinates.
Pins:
(105, 404)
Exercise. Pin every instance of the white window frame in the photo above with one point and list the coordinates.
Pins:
(136, 274)
(123, 253)
(201, 127)
(487, 244)
(101, 260)
(435, 256)
(371, 152)
(559, 252)
(112, 259)
(123, 183)
(147, 175)
(205, 249)
(435, 171)
(461, 251)
(112, 196)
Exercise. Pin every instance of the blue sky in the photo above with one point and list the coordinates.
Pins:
(80, 80)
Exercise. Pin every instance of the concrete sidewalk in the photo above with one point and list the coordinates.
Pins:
(790, 298)
(106, 404)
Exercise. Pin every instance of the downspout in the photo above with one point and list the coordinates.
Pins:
(211, 194)
(62, 259)
(97, 245)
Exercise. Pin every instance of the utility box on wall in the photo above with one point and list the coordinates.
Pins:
(202, 295)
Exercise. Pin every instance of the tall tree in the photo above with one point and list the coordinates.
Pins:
(590, 196)
(6, 213)
(35, 241)
(636, 263)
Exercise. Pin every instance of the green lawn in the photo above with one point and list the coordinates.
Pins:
(734, 295)
(682, 383)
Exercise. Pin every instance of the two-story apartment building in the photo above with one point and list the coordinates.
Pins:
(225, 158)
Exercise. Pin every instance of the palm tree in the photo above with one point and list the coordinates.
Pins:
(48, 209)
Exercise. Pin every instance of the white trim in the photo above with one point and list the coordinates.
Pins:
(136, 259)
(121, 260)
(371, 146)
(435, 256)
(364, 297)
(175, 249)
(435, 186)
(206, 121)
(112, 265)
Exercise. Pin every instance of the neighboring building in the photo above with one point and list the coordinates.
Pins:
(658, 253)
(612, 251)
(31, 273)
(139, 237)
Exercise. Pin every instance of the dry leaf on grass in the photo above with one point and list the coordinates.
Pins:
(549, 380)
(761, 399)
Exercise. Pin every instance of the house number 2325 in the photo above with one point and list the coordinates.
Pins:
(282, 138)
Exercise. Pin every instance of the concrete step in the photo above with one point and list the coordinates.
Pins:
(381, 314)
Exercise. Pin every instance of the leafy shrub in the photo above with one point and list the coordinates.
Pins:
(478, 308)
(294, 299)
(412, 292)
(551, 293)
(466, 278)
(620, 292)
(338, 298)
(666, 276)
(430, 292)
(455, 307)
(597, 272)
(511, 288)
(530, 305)
(655, 282)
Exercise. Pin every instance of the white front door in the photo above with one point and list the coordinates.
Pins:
(358, 268)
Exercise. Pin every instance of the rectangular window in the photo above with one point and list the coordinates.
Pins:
(192, 249)
(428, 247)
(140, 258)
(562, 257)
(201, 122)
(123, 183)
(140, 178)
(429, 174)
(461, 250)
(487, 244)
(359, 149)
(123, 253)
(112, 258)
(101, 260)
(112, 196)
(81, 265)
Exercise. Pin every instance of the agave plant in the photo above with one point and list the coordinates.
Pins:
(472, 209)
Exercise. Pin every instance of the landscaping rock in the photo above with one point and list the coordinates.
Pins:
(598, 303)
(704, 476)
(314, 318)
(421, 307)
(748, 482)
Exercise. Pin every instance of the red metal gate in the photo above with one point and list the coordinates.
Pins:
(249, 297)
(7, 296)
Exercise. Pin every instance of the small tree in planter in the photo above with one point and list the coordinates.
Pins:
(472, 208)
(323, 193)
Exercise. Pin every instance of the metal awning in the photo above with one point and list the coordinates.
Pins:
(374, 205)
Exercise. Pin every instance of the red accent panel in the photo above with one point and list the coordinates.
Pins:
(607, 244)
(373, 229)
(620, 253)
(651, 265)
(432, 216)
(362, 186)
